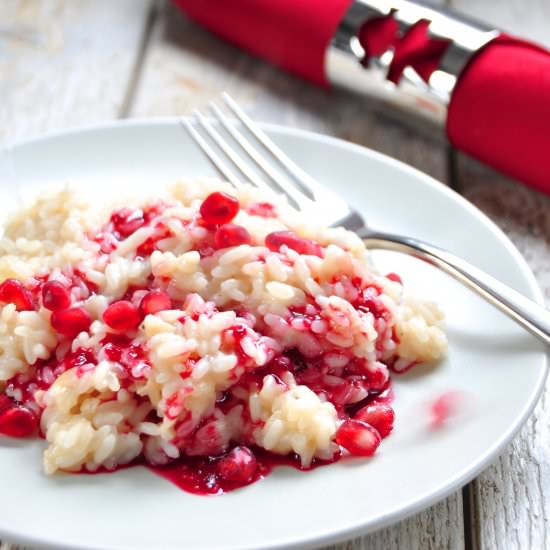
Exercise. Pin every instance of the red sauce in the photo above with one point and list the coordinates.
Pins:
(198, 475)
(263, 209)
(343, 379)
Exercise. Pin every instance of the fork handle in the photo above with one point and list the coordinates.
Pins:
(530, 315)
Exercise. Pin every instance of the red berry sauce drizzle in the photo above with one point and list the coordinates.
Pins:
(362, 398)
(215, 475)
(364, 425)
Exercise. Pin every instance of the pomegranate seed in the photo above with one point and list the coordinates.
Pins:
(219, 208)
(112, 352)
(342, 393)
(379, 416)
(5, 402)
(122, 315)
(17, 421)
(239, 465)
(147, 247)
(155, 301)
(12, 291)
(263, 209)
(230, 234)
(71, 322)
(370, 302)
(127, 220)
(394, 277)
(280, 363)
(358, 438)
(378, 378)
(107, 242)
(205, 251)
(275, 240)
(55, 296)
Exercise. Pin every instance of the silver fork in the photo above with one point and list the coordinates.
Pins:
(313, 199)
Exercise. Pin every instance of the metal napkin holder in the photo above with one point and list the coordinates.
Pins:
(347, 64)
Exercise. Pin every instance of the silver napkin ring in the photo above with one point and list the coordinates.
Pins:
(347, 64)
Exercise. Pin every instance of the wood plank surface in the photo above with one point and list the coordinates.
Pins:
(186, 66)
(523, 18)
(510, 501)
(65, 63)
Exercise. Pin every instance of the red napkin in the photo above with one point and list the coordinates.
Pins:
(499, 110)
(293, 34)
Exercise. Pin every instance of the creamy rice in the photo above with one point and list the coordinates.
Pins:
(258, 346)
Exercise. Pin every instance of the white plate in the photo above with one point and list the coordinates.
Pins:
(500, 366)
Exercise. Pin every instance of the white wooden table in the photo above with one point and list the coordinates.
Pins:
(65, 63)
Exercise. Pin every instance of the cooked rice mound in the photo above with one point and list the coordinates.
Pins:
(259, 346)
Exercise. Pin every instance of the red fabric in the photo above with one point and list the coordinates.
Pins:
(500, 110)
(293, 34)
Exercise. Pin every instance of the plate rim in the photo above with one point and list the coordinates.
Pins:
(423, 501)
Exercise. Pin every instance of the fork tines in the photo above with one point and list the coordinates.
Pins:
(208, 133)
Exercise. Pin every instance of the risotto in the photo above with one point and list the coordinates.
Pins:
(204, 322)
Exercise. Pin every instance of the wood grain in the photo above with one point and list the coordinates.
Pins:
(524, 18)
(185, 67)
(65, 63)
(438, 528)
(510, 501)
